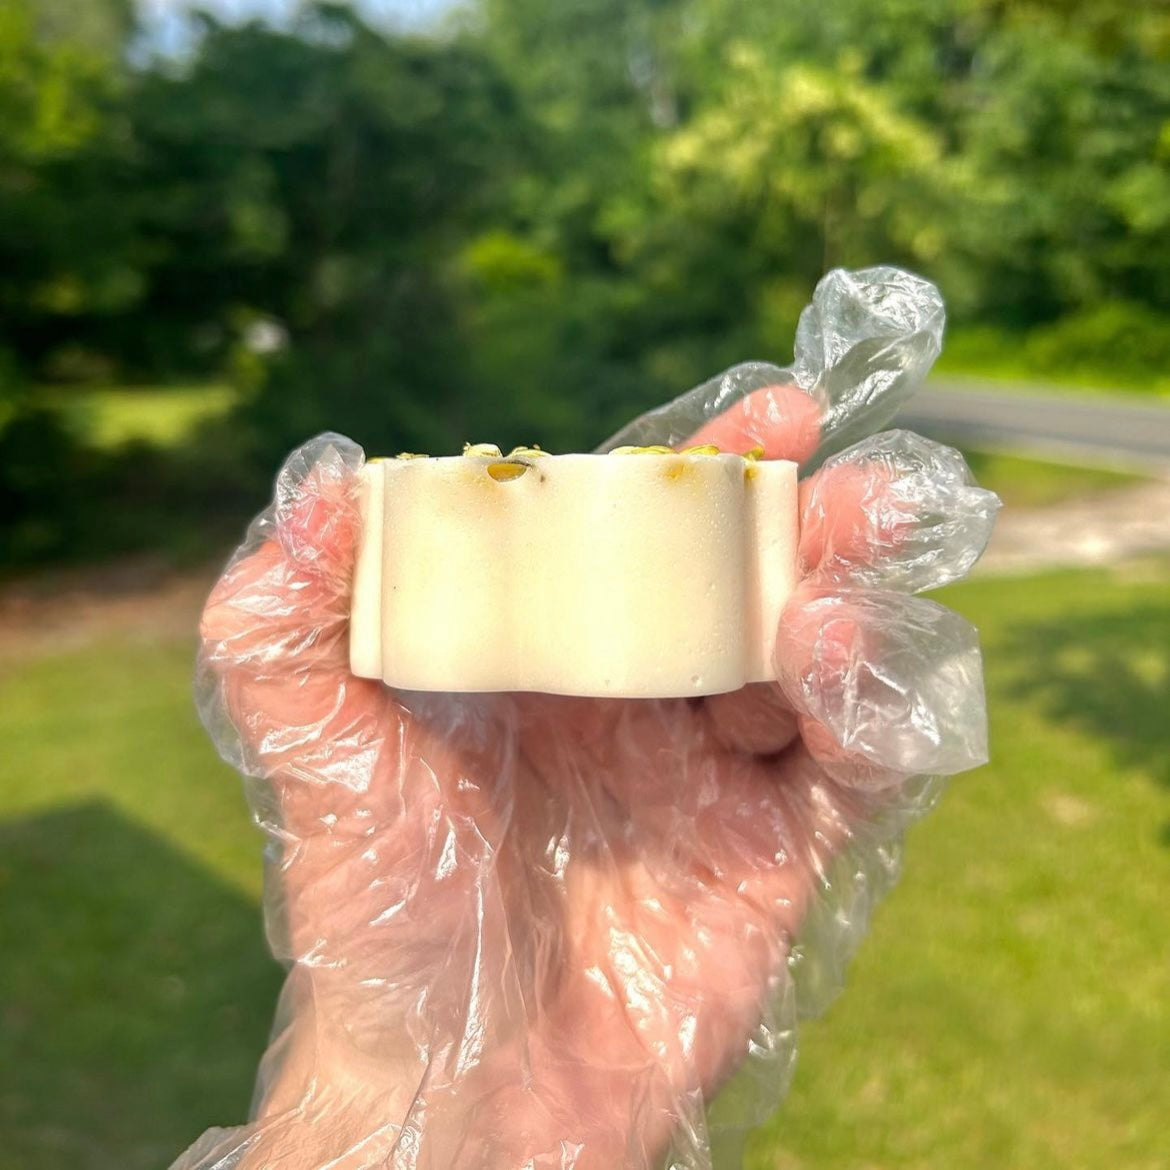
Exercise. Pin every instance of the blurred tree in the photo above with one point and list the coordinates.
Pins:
(63, 245)
(64, 240)
(1074, 142)
(796, 169)
(1050, 119)
(598, 82)
(326, 178)
(101, 27)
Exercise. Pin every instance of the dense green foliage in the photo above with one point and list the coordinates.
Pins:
(1009, 1008)
(548, 217)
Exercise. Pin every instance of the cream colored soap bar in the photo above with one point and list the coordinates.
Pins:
(643, 575)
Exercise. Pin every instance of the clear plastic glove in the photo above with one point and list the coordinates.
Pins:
(543, 932)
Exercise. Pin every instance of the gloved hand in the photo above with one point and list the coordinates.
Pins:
(536, 931)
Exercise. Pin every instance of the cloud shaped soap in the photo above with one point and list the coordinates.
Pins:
(642, 573)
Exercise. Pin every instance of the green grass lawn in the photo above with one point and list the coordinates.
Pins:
(137, 992)
(1010, 1007)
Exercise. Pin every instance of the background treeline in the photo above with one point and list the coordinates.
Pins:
(546, 218)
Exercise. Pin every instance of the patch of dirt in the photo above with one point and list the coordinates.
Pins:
(1102, 529)
(135, 597)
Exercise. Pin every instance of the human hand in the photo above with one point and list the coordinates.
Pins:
(537, 931)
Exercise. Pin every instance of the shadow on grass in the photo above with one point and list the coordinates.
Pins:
(1106, 673)
(137, 994)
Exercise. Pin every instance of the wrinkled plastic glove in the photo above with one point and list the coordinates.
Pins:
(536, 931)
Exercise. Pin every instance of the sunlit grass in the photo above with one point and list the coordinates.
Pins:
(137, 992)
(162, 415)
(1009, 1007)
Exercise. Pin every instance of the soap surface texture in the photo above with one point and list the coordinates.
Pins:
(651, 575)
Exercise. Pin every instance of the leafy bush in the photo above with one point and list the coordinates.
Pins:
(1115, 345)
(1117, 341)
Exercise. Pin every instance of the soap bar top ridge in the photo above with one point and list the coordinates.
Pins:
(642, 573)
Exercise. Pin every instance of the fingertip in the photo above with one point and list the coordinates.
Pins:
(292, 579)
(317, 510)
(757, 719)
(214, 621)
(846, 768)
(895, 679)
(848, 515)
(897, 510)
(319, 526)
(246, 603)
(783, 419)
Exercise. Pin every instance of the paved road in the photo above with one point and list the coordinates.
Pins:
(1089, 429)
